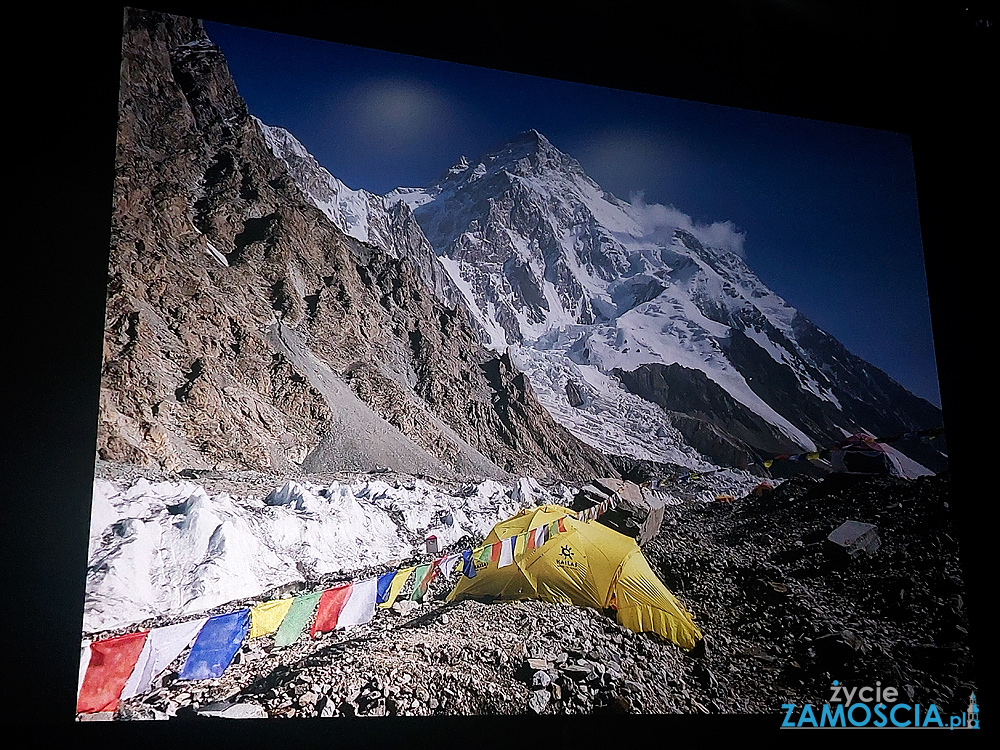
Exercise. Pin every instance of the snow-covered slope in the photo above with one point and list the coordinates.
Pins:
(579, 281)
(169, 549)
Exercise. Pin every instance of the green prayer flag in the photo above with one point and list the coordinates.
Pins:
(298, 616)
(420, 586)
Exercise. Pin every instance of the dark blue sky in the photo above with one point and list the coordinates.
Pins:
(828, 212)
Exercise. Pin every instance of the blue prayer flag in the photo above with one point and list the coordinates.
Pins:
(216, 645)
(468, 564)
(382, 587)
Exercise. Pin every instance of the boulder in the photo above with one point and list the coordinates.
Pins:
(853, 538)
(632, 510)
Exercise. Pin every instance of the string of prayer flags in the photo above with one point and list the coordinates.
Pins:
(217, 643)
(111, 662)
(396, 586)
(296, 619)
(162, 646)
(125, 666)
(265, 618)
(360, 606)
(328, 609)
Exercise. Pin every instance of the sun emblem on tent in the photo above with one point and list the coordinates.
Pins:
(567, 552)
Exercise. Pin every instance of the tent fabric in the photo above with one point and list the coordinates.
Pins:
(360, 606)
(586, 564)
(162, 646)
(328, 610)
(266, 617)
(863, 454)
(217, 643)
(108, 669)
(298, 616)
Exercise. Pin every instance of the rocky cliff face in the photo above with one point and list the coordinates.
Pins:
(361, 214)
(246, 330)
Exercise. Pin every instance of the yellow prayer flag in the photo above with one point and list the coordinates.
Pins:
(266, 618)
(396, 586)
(520, 544)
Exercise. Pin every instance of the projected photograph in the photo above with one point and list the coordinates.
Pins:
(436, 390)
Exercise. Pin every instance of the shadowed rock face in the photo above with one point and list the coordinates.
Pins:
(710, 420)
(245, 330)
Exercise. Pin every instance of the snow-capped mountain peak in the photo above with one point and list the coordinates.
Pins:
(655, 321)
(573, 277)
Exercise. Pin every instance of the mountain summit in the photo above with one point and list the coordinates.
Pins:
(624, 298)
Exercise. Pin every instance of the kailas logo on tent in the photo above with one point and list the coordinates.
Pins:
(565, 558)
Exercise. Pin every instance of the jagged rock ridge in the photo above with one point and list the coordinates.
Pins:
(245, 330)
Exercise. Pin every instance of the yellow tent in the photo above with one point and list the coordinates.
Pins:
(576, 562)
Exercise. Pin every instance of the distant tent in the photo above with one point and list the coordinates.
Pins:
(862, 454)
(582, 563)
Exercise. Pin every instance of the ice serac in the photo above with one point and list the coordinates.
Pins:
(581, 283)
(247, 329)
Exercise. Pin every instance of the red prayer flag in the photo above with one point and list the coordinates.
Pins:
(495, 552)
(562, 527)
(328, 609)
(529, 543)
(111, 663)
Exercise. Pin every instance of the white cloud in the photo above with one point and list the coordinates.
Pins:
(659, 223)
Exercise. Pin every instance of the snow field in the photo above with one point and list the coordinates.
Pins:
(170, 549)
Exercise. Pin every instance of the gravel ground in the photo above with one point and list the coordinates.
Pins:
(783, 615)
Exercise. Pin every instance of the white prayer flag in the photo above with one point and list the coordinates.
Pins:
(507, 552)
(447, 566)
(360, 605)
(162, 646)
(541, 535)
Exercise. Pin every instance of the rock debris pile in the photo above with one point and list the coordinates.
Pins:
(783, 616)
